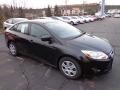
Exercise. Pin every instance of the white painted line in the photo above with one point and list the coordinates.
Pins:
(20, 58)
(47, 73)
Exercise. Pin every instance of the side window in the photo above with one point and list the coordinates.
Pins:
(14, 28)
(23, 28)
(38, 31)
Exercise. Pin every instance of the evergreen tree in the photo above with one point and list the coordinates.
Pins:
(57, 12)
(48, 12)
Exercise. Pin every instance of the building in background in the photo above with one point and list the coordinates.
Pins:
(77, 9)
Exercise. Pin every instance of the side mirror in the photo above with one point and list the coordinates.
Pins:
(48, 38)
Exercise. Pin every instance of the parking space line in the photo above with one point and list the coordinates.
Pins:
(47, 73)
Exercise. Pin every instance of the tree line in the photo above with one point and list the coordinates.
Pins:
(12, 11)
(56, 12)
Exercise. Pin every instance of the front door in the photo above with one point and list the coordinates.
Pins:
(42, 49)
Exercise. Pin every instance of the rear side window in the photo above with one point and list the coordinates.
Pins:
(38, 31)
(23, 28)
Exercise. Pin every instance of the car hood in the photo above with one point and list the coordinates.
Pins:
(90, 42)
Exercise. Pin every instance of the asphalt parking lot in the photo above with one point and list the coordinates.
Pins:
(23, 73)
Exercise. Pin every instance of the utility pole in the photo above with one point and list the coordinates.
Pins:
(103, 8)
(66, 6)
(83, 7)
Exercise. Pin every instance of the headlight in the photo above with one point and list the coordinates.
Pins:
(95, 54)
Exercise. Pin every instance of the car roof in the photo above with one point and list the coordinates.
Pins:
(43, 21)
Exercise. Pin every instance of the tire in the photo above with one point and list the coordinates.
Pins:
(13, 49)
(72, 23)
(70, 68)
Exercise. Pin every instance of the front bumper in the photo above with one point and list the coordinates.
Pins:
(99, 66)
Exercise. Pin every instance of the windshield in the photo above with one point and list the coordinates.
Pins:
(66, 18)
(60, 18)
(73, 17)
(63, 30)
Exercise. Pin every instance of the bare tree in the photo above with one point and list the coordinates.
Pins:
(21, 12)
(6, 11)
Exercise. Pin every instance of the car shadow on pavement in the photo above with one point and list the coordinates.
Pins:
(88, 75)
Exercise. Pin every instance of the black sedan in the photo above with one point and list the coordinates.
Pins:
(60, 45)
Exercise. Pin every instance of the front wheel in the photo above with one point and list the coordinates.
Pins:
(70, 68)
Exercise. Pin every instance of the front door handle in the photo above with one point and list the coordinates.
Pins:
(31, 41)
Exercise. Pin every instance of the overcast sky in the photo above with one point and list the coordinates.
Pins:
(44, 3)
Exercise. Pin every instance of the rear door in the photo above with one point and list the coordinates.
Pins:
(21, 36)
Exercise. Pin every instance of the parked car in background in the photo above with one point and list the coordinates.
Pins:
(108, 15)
(91, 19)
(96, 18)
(61, 19)
(72, 21)
(8, 23)
(85, 19)
(80, 20)
(61, 45)
(101, 17)
(116, 16)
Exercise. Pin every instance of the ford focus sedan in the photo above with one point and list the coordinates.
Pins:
(60, 45)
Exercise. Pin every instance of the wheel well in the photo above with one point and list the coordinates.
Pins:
(5, 27)
(63, 57)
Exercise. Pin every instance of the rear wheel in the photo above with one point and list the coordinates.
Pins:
(13, 49)
(70, 68)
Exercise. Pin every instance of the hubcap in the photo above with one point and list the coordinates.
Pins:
(12, 49)
(69, 68)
